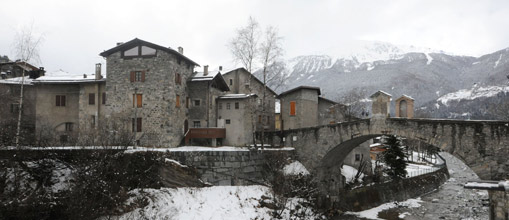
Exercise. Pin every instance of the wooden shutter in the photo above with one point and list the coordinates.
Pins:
(62, 101)
(177, 102)
(143, 76)
(138, 125)
(133, 76)
(139, 99)
(57, 98)
(187, 102)
(134, 102)
(292, 108)
(91, 98)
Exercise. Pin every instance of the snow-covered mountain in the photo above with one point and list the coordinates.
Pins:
(488, 102)
(422, 73)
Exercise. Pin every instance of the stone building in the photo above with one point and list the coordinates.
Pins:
(381, 106)
(242, 81)
(405, 107)
(147, 83)
(204, 89)
(330, 112)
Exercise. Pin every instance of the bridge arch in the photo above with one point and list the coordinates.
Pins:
(482, 145)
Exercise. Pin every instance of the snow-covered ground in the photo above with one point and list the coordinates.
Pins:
(218, 202)
(349, 173)
(373, 213)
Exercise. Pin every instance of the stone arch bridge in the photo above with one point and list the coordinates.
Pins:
(482, 145)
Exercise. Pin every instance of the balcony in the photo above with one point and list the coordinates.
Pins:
(212, 133)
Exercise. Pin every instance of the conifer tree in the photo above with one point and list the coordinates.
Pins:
(394, 158)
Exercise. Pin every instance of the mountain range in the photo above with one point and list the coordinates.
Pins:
(421, 73)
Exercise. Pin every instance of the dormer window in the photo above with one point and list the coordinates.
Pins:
(139, 51)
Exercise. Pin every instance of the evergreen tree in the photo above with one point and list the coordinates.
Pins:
(394, 158)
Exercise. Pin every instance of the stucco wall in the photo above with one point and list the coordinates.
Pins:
(306, 109)
(239, 131)
(50, 116)
(240, 78)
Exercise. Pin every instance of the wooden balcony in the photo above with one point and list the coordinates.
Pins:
(212, 133)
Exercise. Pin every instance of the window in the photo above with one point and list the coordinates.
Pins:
(139, 51)
(228, 106)
(187, 102)
(357, 157)
(259, 118)
(236, 105)
(231, 82)
(147, 51)
(91, 98)
(196, 124)
(268, 119)
(93, 120)
(292, 108)
(220, 106)
(136, 124)
(137, 100)
(14, 107)
(68, 126)
(60, 100)
(228, 121)
(104, 98)
(177, 101)
(137, 76)
(196, 102)
(178, 79)
(132, 52)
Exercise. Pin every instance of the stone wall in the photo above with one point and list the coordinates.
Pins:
(162, 119)
(499, 202)
(224, 168)
(375, 195)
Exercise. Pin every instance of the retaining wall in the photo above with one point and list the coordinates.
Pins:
(372, 196)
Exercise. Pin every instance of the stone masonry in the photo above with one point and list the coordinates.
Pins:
(162, 117)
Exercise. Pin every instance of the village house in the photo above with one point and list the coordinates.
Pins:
(147, 84)
(151, 95)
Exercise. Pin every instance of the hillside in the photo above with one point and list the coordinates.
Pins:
(421, 73)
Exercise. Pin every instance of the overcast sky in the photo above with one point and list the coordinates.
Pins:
(75, 32)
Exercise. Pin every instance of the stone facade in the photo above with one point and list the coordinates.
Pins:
(161, 80)
(330, 112)
(499, 201)
(381, 106)
(405, 107)
(358, 154)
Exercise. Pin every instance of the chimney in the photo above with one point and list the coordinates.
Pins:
(84, 76)
(206, 70)
(119, 43)
(181, 50)
(98, 71)
(220, 68)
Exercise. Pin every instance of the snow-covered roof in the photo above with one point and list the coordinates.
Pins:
(61, 76)
(236, 96)
(199, 76)
(17, 80)
(406, 96)
(380, 92)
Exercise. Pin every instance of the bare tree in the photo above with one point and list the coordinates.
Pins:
(26, 47)
(271, 52)
(244, 47)
(355, 107)
(265, 53)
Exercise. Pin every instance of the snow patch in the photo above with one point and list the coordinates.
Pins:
(498, 61)
(349, 173)
(429, 57)
(471, 94)
(174, 162)
(295, 168)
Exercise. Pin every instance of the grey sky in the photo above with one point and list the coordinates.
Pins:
(76, 32)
